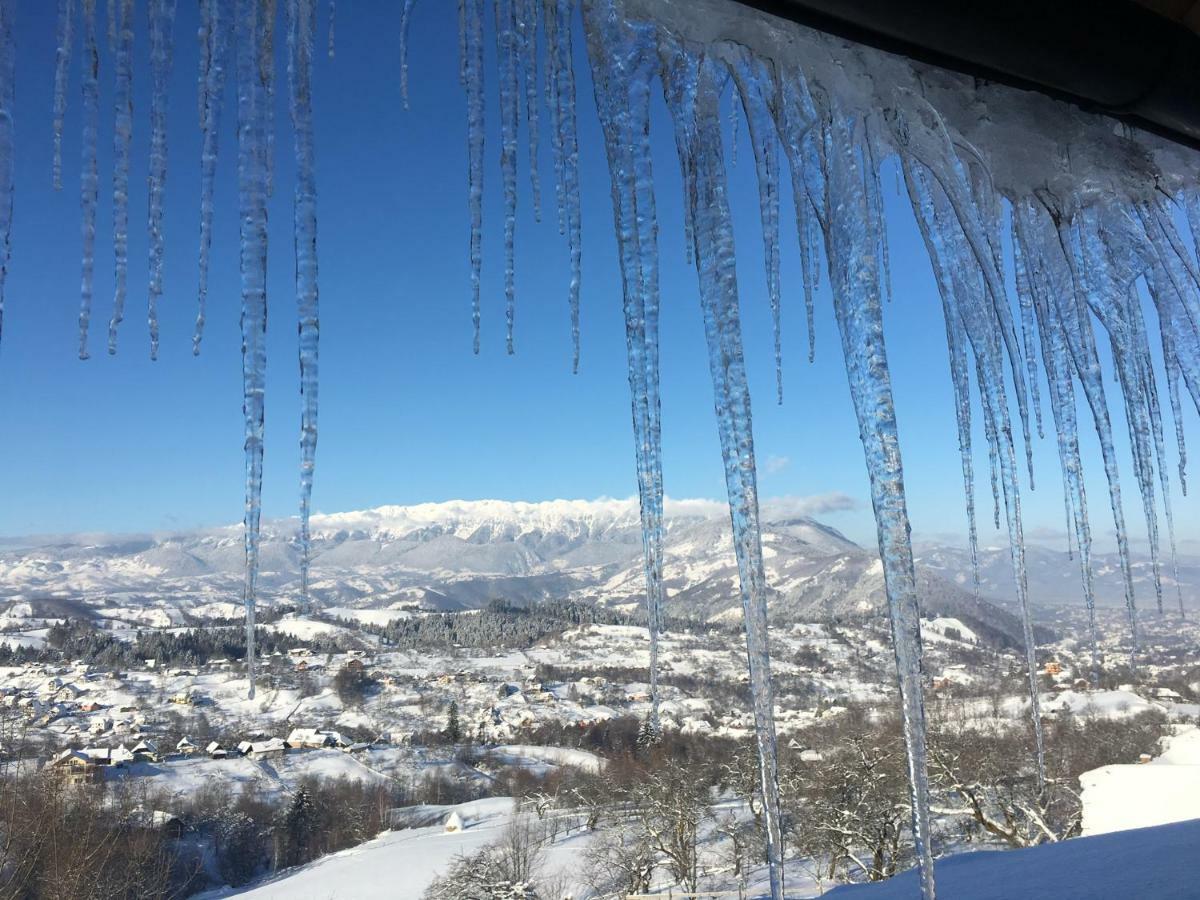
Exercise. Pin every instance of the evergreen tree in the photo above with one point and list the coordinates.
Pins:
(649, 734)
(299, 829)
(453, 727)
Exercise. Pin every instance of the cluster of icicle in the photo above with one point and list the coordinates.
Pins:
(1090, 208)
(245, 31)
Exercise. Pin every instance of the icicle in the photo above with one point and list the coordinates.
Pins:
(693, 87)
(733, 132)
(874, 194)
(1108, 267)
(973, 316)
(162, 27)
(1149, 391)
(7, 139)
(560, 77)
(254, 22)
(62, 71)
(850, 247)
(112, 24)
(89, 173)
(1077, 328)
(302, 26)
(507, 48)
(471, 46)
(527, 28)
(1028, 336)
(1042, 274)
(122, 138)
(332, 28)
(623, 105)
(212, 90)
(1171, 364)
(750, 75)
(405, 20)
(920, 131)
(794, 120)
(957, 346)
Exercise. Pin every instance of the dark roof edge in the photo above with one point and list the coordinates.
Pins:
(1107, 56)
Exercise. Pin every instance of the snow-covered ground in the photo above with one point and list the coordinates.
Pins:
(1164, 790)
(1158, 863)
(399, 865)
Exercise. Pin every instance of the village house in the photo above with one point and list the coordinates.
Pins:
(312, 738)
(145, 751)
(186, 747)
(75, 767)
(268, 749)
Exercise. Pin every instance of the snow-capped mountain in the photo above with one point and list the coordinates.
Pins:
(462, 554)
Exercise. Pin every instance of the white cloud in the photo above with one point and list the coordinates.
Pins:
(776, 464)
(812, 505)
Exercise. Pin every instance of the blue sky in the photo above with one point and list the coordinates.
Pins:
(408, 414)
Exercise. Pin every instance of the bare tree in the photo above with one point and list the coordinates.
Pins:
(620, 860)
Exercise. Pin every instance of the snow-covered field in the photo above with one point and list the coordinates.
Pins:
(1147, 864)
(399, 865)
(1164, 790)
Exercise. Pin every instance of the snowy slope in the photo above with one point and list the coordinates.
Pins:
(1147, 864)
(399, 865)
(1167, 789)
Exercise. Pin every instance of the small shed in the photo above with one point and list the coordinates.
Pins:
(454, 824)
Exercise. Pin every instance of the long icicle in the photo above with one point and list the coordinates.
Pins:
(7, 139)
(62, 69)
(162, 39)
(850, 247)
(1062, 252)
(331, 46)
(693, 86)
(560, 76)
(122, 140)
(1035, 289)
(507, 52)
(1109, 265)
(302, 20)
(527, 12)
(89, 171)
(470, 19)
(214, 31)
(624, 107)
(255, 20)
(973, 316)
(405, 21)
(750, 75)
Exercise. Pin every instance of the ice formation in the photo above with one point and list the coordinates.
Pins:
(255, 22)
(89, 178)
(302, 20)
(162, 37)
(121, 33)
(7, 71)
(214, 36)
(1093, 213)
(62, 68)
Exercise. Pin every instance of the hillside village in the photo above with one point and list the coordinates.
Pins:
(384, 708)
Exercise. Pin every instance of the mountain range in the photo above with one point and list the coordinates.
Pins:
(460, 555)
